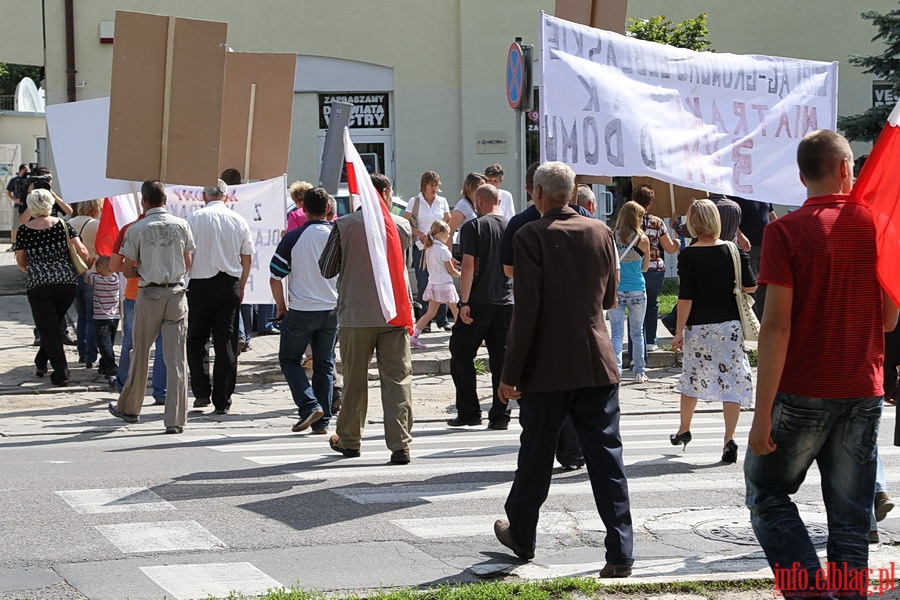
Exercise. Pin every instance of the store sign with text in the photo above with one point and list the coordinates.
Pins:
(370, 111)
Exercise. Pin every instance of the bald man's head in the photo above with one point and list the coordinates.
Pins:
(487, 199)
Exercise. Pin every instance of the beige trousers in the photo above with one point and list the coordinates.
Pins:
(392, 355)
(165, 309)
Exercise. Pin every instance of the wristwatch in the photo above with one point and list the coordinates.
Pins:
(461, 304)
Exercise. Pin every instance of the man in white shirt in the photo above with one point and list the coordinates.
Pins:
(493, 174)
(309, 318)
(218, 276)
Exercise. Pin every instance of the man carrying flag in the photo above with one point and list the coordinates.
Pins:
(821, 350)
(367, 250)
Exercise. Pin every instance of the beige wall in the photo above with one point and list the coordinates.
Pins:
(448, 58)
(23, 129)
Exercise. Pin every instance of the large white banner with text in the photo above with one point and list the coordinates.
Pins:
(614, 105)
(263, 205)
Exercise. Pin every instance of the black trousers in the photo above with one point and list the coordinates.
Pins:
(490, 324)
(213, 310)
(891, 362)
(568, 447)
(595, 416)
(49, 304)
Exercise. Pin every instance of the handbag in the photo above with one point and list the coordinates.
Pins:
(670, 320)
(749, 322)
(77, 262)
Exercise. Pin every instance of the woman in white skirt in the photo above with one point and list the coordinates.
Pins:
(708, 331)
(441, 271)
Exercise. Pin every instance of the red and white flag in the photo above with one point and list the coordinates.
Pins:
(118, 211)
(383, 240)
(878, 186)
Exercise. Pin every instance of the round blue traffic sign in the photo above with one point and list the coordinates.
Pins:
(515, 76)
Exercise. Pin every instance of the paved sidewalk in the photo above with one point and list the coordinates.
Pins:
(33, 406)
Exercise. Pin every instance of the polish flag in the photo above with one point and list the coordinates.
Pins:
(118, 211)
(878, 186)
(383, 240)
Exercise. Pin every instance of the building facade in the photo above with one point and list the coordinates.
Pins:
(427, 76)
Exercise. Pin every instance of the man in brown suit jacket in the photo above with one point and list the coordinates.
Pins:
(560, 362)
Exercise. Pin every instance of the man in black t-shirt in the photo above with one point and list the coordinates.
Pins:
(485, 311)
(15, 192)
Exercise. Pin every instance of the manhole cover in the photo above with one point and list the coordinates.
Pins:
(739, 531)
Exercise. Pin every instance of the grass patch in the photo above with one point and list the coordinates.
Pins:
(563, 588)
(481, 366)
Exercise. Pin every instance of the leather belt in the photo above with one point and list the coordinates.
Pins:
(165, 285)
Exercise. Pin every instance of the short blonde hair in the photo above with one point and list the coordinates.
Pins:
(703, 219)
(40, 202)
(89, 208)
(298, 189)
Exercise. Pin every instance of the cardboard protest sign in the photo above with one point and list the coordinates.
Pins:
(78, 134)
(600, 14)
(165, 116)
(661, 206)
(619, 106)
(256, 113)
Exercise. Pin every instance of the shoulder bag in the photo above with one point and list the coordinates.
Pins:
(77, 262)
(749, 322)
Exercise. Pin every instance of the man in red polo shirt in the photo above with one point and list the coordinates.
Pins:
(821, 349)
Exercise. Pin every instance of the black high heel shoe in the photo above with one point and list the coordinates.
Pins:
(729, 453)
(681, 438)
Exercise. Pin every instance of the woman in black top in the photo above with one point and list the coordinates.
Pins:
(41, 252)
(708, 332)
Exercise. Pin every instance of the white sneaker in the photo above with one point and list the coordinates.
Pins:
(640, 378)
(652, 347)
(415, 343)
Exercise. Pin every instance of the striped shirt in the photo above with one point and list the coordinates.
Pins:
(106, 294)
(825, 252)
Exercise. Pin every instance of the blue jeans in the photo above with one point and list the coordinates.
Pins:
(840, 435)
(654, 281)
(158, 379)
(85, 334)
(300, 329)
(421, 283)
(636, 303)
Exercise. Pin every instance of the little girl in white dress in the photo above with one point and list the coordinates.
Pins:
(441, 271)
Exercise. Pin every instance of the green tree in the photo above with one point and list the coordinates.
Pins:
(692, 34)
(866, 126)
(11, 75)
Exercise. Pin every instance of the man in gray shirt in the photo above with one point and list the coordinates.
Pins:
(161, 244)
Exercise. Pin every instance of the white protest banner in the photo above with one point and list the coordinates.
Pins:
(614, 105)
(263, 205)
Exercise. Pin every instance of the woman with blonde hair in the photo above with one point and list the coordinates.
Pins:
(85, 223)
(297, 217)
(43, 255)
(631, 296)
(464, 209)
(708, 332)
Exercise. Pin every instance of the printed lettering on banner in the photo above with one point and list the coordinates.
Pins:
(264, 206)
(619, 106)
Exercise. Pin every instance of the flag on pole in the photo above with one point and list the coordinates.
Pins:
(383, 241)
(878, 186)
(118, 211)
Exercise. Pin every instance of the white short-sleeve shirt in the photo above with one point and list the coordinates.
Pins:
(436, 256)
(427, 214)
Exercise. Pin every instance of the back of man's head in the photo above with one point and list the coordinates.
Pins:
(488, 195)
(231, 176)
(643, 195)
(585, 198)
(529, 176)
(216, 192)
(557, 181)
(154, 192)
(820, 154)
(382, 184)
(315, 202)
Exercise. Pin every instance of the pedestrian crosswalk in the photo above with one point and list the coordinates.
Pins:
(687, 507)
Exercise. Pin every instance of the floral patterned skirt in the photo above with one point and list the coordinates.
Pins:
(715, 367)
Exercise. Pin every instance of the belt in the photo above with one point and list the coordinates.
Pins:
(164, 285)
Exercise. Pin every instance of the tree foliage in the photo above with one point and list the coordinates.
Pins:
(866, 126)
(692, 34)
(11, 75)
